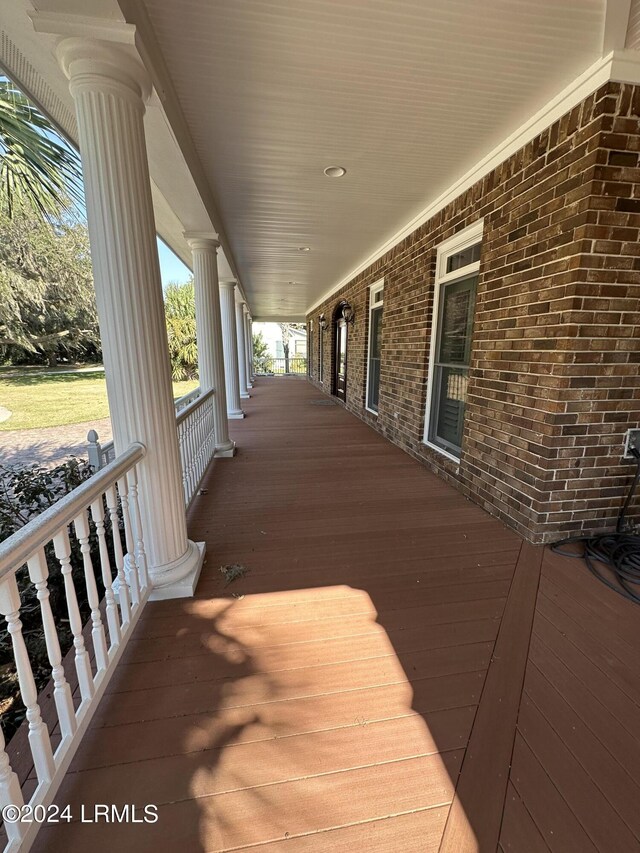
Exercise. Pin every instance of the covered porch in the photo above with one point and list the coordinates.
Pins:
(396, 669)
(392, 650)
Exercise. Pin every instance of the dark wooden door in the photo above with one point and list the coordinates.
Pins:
(340, 382)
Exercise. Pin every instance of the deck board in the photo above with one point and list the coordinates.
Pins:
(576, 766)
(324, 702)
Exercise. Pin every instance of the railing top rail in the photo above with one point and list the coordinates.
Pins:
(206, 395)
(181, 402)
(16, 550)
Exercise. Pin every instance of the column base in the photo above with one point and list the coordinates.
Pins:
(225, 451)
(245, 396)
(236, 414)
(249, 385)
(179, 579)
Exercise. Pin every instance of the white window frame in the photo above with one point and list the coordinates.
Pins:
(376, 287)
(460, 241)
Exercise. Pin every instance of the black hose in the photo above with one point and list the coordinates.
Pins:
(620, 551)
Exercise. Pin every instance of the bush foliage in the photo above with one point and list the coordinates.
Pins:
(25, 491)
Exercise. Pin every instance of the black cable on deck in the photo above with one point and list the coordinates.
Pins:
(620, 551)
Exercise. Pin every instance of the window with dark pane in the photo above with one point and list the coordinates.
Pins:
(375, 348)
(451, 367)
(463, 258)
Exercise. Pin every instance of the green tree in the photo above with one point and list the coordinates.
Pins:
(47, 301)
(180, 311)
(39, 172)
(261, 357)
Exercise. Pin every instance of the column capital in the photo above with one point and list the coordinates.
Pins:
(202, 240)
(228, 283)
(245, 308)
(100, 65)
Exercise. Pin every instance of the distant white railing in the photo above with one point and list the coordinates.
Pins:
(103, 510)
(186, 400)
(101, 454)
(197, 442)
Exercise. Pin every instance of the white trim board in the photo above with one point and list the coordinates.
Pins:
(622, 66)
(376, 287)
(469, 236)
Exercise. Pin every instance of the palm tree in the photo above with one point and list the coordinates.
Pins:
(39, 172)
(180, 312)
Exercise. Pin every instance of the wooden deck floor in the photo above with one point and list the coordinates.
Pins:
(325, 702)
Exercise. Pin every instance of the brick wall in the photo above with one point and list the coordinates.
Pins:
(556, 347)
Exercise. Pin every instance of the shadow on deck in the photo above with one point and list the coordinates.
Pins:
(325, 701)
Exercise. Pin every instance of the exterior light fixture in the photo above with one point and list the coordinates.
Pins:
(347, 313)
(304, 248)
(335, 171)
(322, 322)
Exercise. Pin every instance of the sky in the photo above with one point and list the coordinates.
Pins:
(171, 267)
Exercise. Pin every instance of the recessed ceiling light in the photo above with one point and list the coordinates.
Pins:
(304, 248)
(335, 171)
(292, 282)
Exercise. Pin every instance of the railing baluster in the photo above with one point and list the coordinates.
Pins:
(130, 569)
(62, 548)
(113, 621)
(196, 440)
(141, 557)
(34, 546)
(39, 573)
(38, 732)
(10, 792)
(123, 589)
(81, 525)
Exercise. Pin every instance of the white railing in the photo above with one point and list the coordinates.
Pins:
(197, 442)
(101, 454)
(88, 526)
(184, 401)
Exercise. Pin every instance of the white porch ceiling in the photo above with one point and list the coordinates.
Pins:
(405, 94)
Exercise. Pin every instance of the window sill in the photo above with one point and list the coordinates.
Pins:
(371, 411)
(440, 450)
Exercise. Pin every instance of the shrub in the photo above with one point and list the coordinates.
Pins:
(25, 491)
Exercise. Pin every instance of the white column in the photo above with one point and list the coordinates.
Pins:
(241, 333)
(110, 86)
(247, 342)
(230, 346)
(253, 368)
(209, 334)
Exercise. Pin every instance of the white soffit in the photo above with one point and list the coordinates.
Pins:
(407, 95)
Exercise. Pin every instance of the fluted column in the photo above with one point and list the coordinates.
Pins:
(247, 346)
(209, 334)
(251, 353)
(230, 346)
(241, 332)
(110, 86)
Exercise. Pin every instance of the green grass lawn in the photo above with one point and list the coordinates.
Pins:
(38, 400)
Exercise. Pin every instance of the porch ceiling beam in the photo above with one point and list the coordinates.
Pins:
(183, 199)
(135, 13)
(616, 23)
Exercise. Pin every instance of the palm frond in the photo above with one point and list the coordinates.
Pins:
(38, 170)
